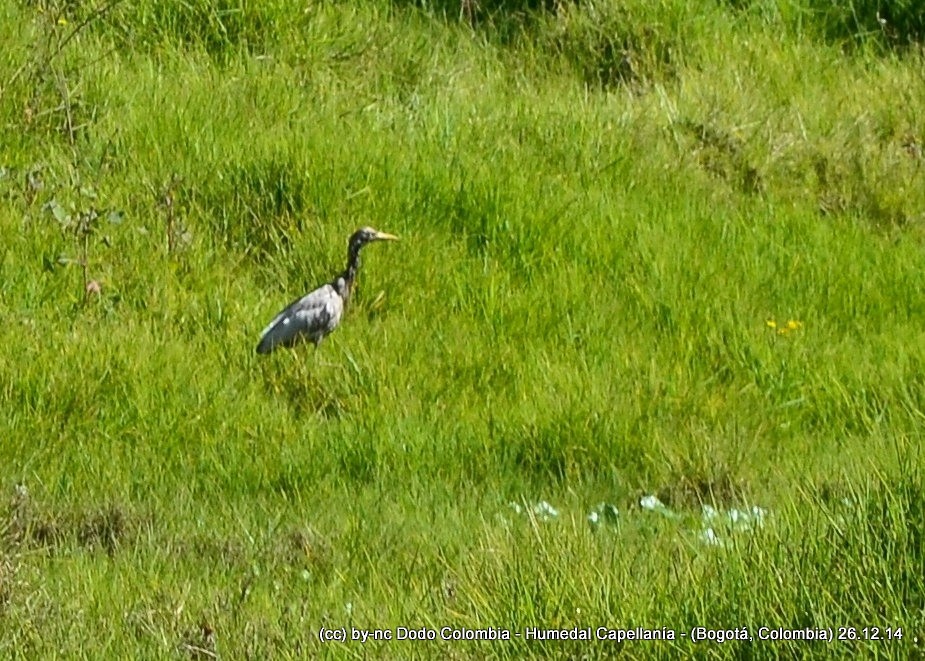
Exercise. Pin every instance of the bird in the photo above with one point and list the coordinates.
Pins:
(314, 316)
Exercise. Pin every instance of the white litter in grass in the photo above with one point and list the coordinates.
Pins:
(731, 521)
(653, 504)
(545, 511)
(716, 525)
(735, 518)
(748, 519)
(541, 510)
(708, 536)
(604, 513)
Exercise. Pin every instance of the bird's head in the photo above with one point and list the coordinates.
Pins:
(367, 235)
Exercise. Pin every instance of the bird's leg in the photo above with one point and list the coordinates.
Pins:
(318, 360)
(299, 360)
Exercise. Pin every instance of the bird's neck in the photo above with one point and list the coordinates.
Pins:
(344, 283)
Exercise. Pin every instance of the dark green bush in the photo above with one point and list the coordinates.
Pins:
(889, 22)
(220, 27)
(617, 44)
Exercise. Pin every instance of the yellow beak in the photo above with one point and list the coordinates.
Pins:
(382, 236)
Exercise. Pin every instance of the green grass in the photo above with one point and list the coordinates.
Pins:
(602, 206)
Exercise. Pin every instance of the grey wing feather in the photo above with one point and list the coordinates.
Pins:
(309, 318)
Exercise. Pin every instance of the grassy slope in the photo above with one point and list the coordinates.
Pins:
(593, 245)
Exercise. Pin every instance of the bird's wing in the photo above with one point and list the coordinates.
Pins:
(310, 317)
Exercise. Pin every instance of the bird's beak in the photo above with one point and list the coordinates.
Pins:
(382, 236)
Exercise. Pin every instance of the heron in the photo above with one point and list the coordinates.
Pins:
(314, 316)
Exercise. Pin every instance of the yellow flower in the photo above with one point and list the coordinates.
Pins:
(62, 21)
(794, 324)
(783, 330)
(771, 323)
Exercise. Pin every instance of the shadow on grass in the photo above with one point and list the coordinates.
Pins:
(26, 523)
(691, 490)
(298, 384)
